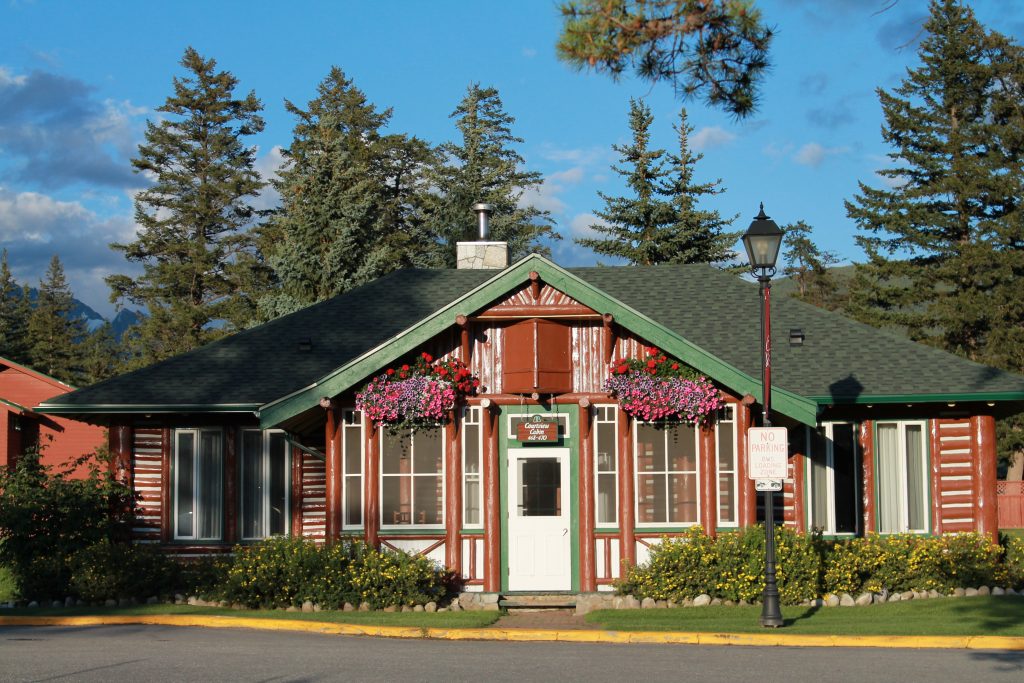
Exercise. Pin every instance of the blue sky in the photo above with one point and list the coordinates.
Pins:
(78, 80)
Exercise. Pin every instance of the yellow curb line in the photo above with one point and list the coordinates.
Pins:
(551, 635)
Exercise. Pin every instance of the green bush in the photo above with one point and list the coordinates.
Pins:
(730, 567)
(8, 584)
(46, 517)
(107, 570)
(1013, 561)
(384, 578)
(205, 577)
(963, 560)
(278, 572)
(873, 563)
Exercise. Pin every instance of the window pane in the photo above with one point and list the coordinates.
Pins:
(471, 514)
(427, 452)
(210, 486)
(819, 480)
(650, 448)
(471, 448)
(606, 508)
(353, 450)
(726, 447)
(889, 478)
(540, 487)
(682, 448)
(397, 450)
(353, 501)
(605, 447)
(185, 483)
(726, 500)
(915, 478)
(395, 500)
(252, 481)
(683, 497)
(278, 466)
(846, 478)
(650, 498)
(428, 504)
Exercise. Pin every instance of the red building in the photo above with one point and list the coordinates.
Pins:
(21, 427)
(260, 433)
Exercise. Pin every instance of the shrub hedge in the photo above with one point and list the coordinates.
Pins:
(731, 566)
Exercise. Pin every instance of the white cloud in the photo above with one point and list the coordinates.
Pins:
(777, 151)
(580, 225)
(267, 166)
(711, 137)
(6, 79)
(813, 154)
(581, 156)
(893, 183)
(546, 196)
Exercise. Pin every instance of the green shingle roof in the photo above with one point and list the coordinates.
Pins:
(840, 361)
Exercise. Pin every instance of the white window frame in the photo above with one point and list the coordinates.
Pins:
(197, 488)
(265, 437)
(612, 416)
(443, 474)
(904, 523)
(829, 528)
(636, 480)
(472, 416)
(352, 420)
(731, 422)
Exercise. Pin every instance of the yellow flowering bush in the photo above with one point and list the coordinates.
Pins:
(1013, 561)
(277, 572)
(963, 560)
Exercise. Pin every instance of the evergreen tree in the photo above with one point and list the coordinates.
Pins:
(944, 238)
(194, 244)
(14, 312)
(484, 168)
(53, 331)
(809, 267)
(659, 222)
(99, 354)
(349, 196)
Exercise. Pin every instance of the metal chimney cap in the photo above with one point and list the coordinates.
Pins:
(482, 206)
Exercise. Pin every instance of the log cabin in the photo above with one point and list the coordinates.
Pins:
(539, 479)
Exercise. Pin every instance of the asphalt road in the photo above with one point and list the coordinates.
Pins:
(167, 653)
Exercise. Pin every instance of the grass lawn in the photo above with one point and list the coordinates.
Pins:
(983, 615)
(1013, 533)
(417, 619)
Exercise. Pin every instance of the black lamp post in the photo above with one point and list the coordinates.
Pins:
(762, 241)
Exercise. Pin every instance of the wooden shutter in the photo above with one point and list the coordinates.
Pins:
(537, 357)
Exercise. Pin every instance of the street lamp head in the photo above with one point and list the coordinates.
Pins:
(762, 241)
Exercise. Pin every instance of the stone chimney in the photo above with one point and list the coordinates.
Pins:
(482, 254)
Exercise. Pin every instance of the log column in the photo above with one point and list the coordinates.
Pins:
(332, 476)
(296, 501)
(453, 498)
(119, 442)
(867, 450)
(166, 532)
(747, 496)
(627, 504)
(983, 433)
(708, 492)
(588, 577)
(231, 485)
(371, 484)
(935, 442)
(492, 501)
(799, 464)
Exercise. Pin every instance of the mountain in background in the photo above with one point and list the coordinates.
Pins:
(124, 319)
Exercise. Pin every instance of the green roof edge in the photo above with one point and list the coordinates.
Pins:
(785, 402)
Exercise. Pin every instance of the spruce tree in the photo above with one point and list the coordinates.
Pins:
(809, 267)
(659, 221)
(13, 316)
(194, 242)
(484, 167)
(99, 355)
(53, 331)
(349, 200)
(943, 238)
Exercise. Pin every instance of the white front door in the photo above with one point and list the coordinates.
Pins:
(539, 550)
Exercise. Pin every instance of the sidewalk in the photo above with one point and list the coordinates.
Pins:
(540, 627)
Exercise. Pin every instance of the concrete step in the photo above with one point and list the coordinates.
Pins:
(537, 601)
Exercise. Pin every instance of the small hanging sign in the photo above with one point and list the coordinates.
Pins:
(538, 429)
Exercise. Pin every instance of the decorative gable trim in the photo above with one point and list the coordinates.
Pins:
(512, 280)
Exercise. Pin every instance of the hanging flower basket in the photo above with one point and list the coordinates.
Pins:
(657, 387)
(416, 395)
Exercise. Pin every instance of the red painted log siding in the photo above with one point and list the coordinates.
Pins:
(296, 491)
(453, 496)
(492, 504)
(748, 497)
(371, 486)
(955, 490)
(708, 485)
(314, 493)
(798, 465)
(149, 482)
(627, 503)
(333, 475)
(588, 580)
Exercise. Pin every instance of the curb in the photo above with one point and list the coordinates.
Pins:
(515, 634)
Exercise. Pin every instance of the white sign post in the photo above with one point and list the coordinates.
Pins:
(767, 453)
